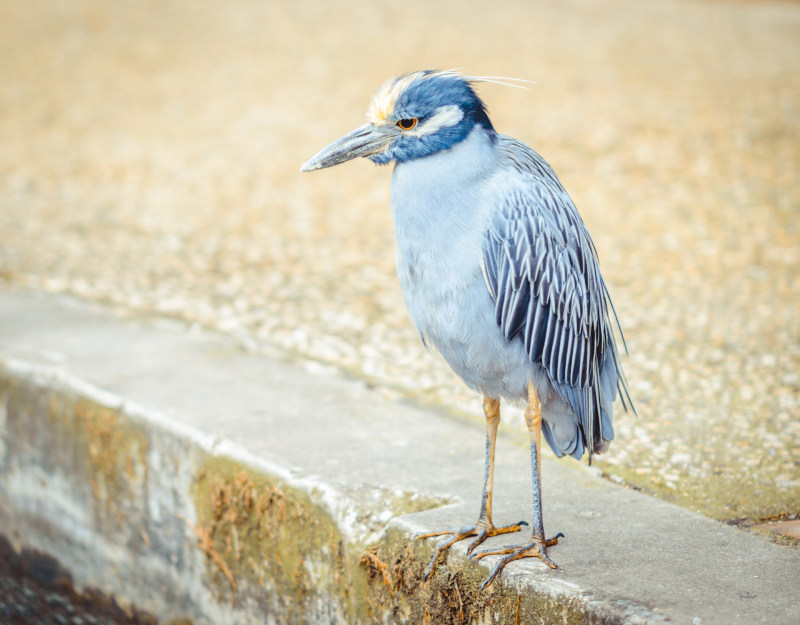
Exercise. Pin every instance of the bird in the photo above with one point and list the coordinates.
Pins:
(499, 274)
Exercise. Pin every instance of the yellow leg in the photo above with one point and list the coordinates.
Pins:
(533, 419)
(538, 545)
(491, 409)
(484, 528)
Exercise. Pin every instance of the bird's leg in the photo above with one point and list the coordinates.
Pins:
(538, 545)
(491, 409)
(484, 528)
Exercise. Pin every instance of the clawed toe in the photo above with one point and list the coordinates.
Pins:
(485, 533)
(481, 531)
(535, 549)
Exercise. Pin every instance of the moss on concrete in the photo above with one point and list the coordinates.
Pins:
(81, 437)
(397, 593)
(409, 502)
(267, 541)
(727, 494)
(116, 451)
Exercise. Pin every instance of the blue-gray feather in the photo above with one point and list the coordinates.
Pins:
(541, 270)
(496, 266)
(498, 273)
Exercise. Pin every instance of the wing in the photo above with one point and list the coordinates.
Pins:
(541, 269)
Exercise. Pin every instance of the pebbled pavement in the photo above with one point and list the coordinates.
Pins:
(150, 157)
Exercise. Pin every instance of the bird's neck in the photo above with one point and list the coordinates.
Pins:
(431, 187)
(440, 213)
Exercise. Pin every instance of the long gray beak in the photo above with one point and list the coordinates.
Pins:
(363, 141)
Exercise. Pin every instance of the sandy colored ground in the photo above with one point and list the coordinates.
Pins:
(150, 156)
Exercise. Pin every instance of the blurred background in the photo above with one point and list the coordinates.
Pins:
(150, 153)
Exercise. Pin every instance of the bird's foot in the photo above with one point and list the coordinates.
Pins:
(535, 549)
(482, 530)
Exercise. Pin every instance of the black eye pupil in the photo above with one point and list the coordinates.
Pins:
(407, 124)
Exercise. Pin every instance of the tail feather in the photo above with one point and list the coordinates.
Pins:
(564, 436)
(582, 419)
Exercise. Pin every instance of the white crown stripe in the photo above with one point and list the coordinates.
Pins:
(385, 99)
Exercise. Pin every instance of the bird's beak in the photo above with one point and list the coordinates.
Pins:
(363, 141)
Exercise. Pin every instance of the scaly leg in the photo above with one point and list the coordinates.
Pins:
(484, 528)
(538, 545)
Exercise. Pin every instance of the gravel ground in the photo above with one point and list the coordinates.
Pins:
(150, 156)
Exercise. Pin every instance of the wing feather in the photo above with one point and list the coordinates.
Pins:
(541, 269)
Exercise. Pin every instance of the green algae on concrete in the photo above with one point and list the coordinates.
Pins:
(408, 502)
(268, 542)
(733, 492)
(116, 452)
(78, 436)
(397, 593)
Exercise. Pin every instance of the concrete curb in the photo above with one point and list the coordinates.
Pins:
(171, 469)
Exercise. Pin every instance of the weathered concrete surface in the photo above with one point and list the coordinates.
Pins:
(171, 467)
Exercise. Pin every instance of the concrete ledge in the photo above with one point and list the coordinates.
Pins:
(170, 468)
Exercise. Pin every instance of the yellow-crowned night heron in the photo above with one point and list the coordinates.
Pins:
(499, 274)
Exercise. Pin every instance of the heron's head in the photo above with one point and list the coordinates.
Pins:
(411, 116)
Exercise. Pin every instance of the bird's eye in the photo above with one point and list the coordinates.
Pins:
(407, 124)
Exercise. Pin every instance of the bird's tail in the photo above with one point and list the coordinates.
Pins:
(584, 419)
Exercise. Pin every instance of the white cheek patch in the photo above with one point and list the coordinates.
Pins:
(444, 117)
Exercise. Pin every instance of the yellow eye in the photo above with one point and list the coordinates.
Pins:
(407, 124)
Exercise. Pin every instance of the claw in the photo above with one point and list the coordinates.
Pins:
(481, 531)
(483, 535)
(535, 549)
